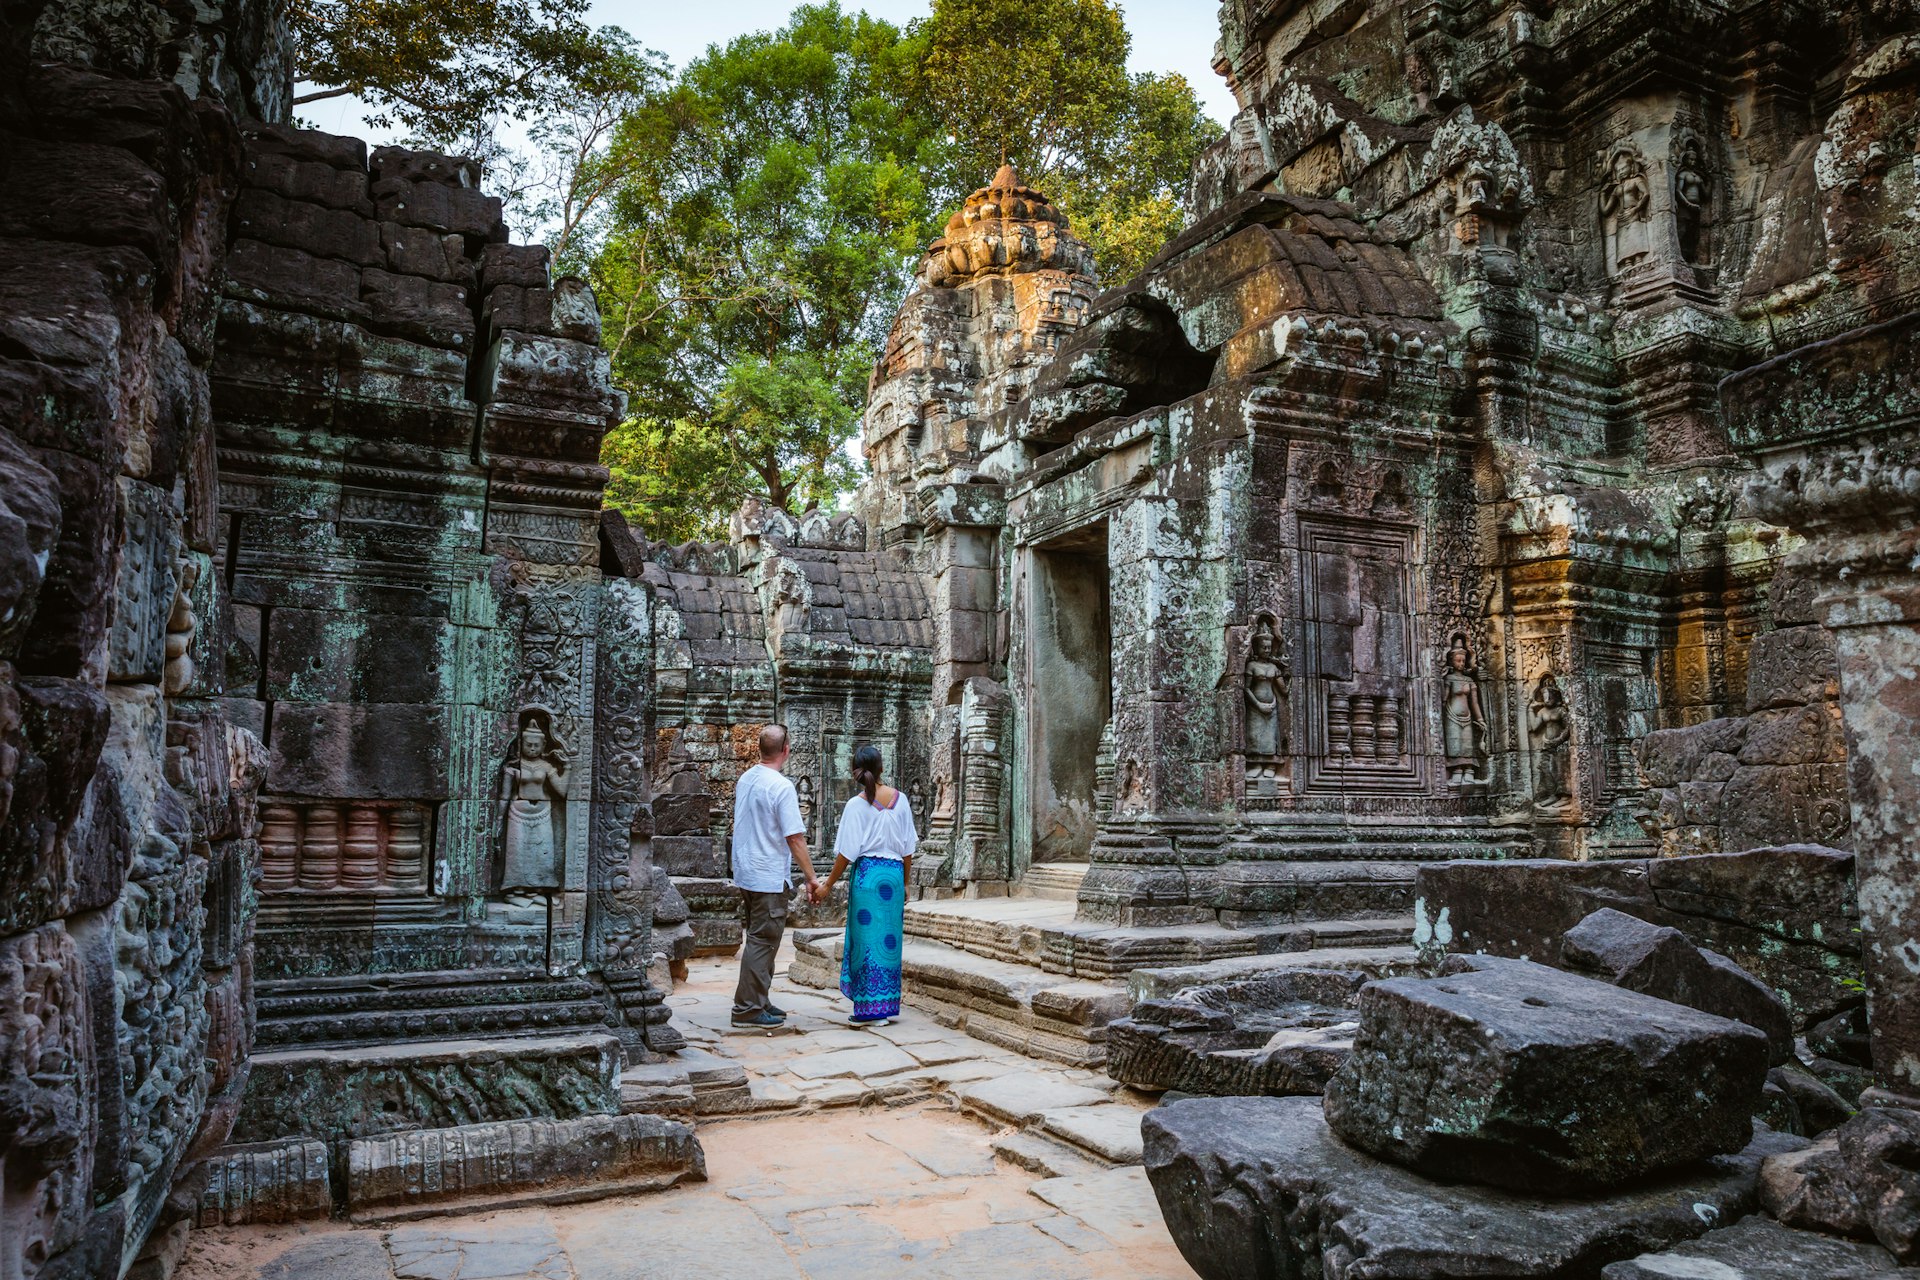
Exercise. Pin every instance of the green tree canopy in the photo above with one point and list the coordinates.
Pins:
(443, 70)
(752, 263)
(766, 211)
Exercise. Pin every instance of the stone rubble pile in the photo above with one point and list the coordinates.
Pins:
(1628, 1110)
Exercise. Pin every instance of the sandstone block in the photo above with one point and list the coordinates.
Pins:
(528, 1161)
(1880, 1152)
(1785, 913)
(405, 164)
(1756, 1249)
(1659, 961)
(1809, 1188)
(76, 605)
(384, 751)
(352, 1093)
(306, 145)
(1526, 1077)
(513, 264)
(422, 310)
(1792, 666)
(283, 1181)
(410, 251)
(437, 207)
(262, 215)
(29, 526)
(1236, 1178)
(314, 181)
(285, 277)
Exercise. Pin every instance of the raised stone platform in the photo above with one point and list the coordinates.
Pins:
(1022, 973)
(1015, 1006)
(1045, 934)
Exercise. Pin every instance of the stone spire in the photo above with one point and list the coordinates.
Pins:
(1004, 227)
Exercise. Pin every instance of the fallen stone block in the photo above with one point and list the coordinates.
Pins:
(1809, 1188)
(1263, 1187)
(1658, 961)
(1785, 914)
(1756, 1249)
(1880, 1152)
(1522, 1076)
(1284, 1032)
(518, 1162)
(282, 1181)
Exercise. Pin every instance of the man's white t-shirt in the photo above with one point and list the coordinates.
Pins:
(765, 812)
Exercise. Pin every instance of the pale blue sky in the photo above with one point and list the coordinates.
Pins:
(1168, 35)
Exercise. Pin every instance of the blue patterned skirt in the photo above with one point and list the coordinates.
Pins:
(870, 960)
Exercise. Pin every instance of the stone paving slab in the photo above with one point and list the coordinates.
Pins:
(843, 1177)
(1022, 1097)
(1118, 1203)
(867, 1062)
(1110, 1131)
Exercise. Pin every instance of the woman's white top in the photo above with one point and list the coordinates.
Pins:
(867, 832)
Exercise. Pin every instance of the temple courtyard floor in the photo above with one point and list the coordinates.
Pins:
(912, 1151)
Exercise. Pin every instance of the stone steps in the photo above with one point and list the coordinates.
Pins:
(1044, 934)
(1052, 881)
(1018, 1007)
(362, 1011)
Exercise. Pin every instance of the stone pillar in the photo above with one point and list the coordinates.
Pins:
(1849, 481)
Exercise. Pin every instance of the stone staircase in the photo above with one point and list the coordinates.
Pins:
(345, 1012)
(1021, 973)
(1052, 881)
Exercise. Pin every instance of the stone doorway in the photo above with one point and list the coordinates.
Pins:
(1069, 694)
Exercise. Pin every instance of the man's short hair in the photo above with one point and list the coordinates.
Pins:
(773, 741)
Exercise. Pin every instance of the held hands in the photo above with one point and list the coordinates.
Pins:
(817, 891)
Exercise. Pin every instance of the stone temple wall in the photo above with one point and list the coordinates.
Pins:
(1393, 513)
(127, 820)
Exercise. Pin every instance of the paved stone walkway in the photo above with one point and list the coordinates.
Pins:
(910, 1151)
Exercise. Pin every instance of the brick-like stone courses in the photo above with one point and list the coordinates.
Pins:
(126, 794)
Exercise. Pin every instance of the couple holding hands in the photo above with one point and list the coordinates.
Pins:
(873, 847)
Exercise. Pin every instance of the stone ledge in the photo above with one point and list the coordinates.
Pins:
(335, 1094)
(1042, 1015)
(435, 1171)
(282, 1181)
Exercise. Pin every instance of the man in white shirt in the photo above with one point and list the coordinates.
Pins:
(769, 840)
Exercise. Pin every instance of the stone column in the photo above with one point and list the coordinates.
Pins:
(1836, 428)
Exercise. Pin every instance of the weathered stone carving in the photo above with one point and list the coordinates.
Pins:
(1269, 713)
(533, 789)
(1692, 190)
(1626, 211)
(1551, 736)
(1464, 723)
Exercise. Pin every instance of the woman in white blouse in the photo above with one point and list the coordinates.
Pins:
(874, 849)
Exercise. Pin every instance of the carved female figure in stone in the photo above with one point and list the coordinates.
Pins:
(1268, 711)
(1551, 736)
(1465, 725)
(1690, 196)
(533, 788)
(1626, 210)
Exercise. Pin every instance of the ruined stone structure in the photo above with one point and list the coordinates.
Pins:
(321, 732)
(1515, 457)
(1405, 508)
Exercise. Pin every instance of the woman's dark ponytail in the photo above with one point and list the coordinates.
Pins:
(866, 771)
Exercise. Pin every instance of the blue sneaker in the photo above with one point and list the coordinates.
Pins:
(767, 1020)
